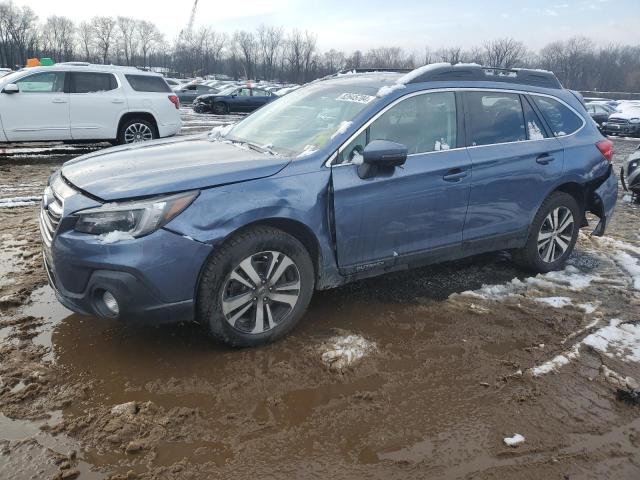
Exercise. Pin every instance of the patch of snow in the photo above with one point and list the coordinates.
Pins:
(308, 150)
(514, 441)
(342, 352)
(18, 201)
(556, 362)
(114, 237)
(389, 89)
(534, 131)
(611, 244)
(129, 408)
(555, 302)
(415, 73)
(589, 307)
(342, 128)
(220, 131)
(617, 340)
(630, 264)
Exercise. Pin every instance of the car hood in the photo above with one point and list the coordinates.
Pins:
(167, 166)
(626, 114)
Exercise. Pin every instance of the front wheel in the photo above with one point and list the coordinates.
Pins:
(220, 108)
(552, 236)
(255, 288)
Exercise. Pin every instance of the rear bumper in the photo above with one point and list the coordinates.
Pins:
(169, 129)
(604, 202)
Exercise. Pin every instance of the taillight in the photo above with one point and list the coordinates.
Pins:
(606, 149)
(175, 100)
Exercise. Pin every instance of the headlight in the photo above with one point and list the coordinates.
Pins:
(634, 120)
(136, 218)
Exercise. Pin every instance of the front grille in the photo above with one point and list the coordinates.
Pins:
(618, 121)
(50, 215)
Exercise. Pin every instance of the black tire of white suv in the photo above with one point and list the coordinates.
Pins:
(136, 130)
(552, 236)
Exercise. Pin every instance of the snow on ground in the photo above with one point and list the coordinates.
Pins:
(18, 201)
(342, 352)
(630, 265)
(514, 441)
(555, 302)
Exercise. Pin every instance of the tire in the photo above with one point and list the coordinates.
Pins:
(142, 130)
(228, 300)
(540, 256)
(220, 108)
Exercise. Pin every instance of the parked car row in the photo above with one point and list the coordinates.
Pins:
(616, 117)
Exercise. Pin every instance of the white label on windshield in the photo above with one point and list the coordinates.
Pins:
(355, 97)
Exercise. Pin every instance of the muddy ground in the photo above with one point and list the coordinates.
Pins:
(446, 374)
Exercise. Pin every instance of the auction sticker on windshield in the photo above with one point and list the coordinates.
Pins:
(355, 97)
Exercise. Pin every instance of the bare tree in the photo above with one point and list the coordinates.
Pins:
(103, 29)
(245, 46)
(504, 53)
(128, 38)
(148, 37)
(270, 42)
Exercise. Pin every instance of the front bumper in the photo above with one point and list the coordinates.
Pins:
(152, 278)
(621, 129)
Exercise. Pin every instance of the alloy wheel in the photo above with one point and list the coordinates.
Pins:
(137, 132)
(260, 292)
(555, 234)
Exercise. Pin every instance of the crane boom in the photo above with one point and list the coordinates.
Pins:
(193, 16)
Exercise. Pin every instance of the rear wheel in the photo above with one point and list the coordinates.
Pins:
(220, 108)
(552, 236)
(255, 288)
(136, 130)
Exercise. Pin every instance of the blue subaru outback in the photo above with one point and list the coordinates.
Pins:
(351, 176)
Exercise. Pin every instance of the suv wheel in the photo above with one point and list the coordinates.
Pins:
(220, 108)
(136, 130)
(552, 235)
(255, 288)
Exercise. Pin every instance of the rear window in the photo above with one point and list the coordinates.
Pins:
(148, 83)
(91, 82)
(559, 117)
(495, 118)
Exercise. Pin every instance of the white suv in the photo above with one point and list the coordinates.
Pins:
(80, 101)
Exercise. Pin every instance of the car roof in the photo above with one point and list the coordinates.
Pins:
(88, 67)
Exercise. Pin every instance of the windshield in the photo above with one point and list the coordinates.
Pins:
(305, 120)
(227, 90)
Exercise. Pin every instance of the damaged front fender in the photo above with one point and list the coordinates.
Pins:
(603, 202)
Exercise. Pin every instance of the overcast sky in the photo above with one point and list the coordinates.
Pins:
(412, 24)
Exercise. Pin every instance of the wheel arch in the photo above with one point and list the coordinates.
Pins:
(148, 116)
(579, 192)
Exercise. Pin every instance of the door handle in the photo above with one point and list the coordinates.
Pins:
(545, 159)
(59, 100)
(454, 175)
(117, 100)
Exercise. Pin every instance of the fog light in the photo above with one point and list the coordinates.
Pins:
(111, 303)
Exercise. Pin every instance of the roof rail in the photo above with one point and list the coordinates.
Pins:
(75, 64)
(373, 70)
(473, 72)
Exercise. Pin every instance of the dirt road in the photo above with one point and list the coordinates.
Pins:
(454, 359)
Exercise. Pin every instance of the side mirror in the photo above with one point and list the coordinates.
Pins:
(381, 155)
(11, 88)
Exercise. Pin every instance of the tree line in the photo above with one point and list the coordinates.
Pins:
(273, 53)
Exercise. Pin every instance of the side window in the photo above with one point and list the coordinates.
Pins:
(147, 83)
(559, 117)
(259, 93)
(535, 130)
(495, 118)
(244, 92)
(44, 82)
(91, 82)
(424, 123)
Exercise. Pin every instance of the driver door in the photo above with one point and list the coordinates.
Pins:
(39, 111)
(414, 209)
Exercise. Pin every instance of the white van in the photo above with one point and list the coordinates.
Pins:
(80, 101)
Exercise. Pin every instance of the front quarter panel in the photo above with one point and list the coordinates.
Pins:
(300, 197)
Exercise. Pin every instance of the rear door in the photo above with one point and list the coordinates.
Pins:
(259, 97)
(514, 160)
(39, 111)
(417, 208)
(97, 103)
